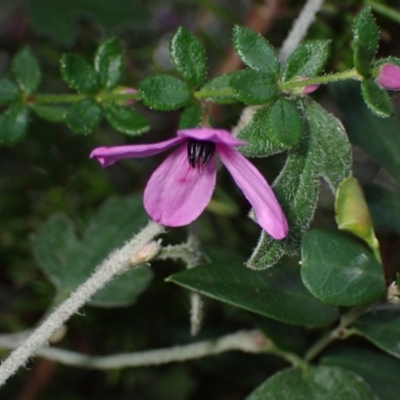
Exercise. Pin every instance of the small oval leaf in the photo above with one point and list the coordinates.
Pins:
(84, 116)
(189, 57)
(254, 87)
(284, 123)
(8, 91)
(308, 60)
(25, 67)
(377, 99)
(14, 124)
(79, 74)
(340, 271)
(125, 120)
(50, 113)
(191, 117)
(255, 51)
(164, 92)
(366, 38)
(109, 63)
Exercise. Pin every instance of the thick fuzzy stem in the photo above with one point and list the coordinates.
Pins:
(132, 253)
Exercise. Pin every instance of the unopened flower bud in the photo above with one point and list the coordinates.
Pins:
(388, 76)
(146, 253)
(58, 334)
(305, 89)
(125, 90)
(352, 213)
(309, 89)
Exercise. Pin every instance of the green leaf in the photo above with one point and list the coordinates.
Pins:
(377, 369)
(79, 74)
(324, 151)
(339, 271)
(286, 337)
(317, 383)
(68, 261)
(84, 116)
(284, 123)
(164, 92)
(384, 205)
(189, 57)
(25, 67)
(125, 120)
(50, 113)
(376, 99)
(254, 87)
(308, 60)
(256, 134)
(220, 90)
(277, 293)
(8, 91)
(376, 136)
(382, 327)
(255, 51)
(366, 38)
(13, 124)
(191, 117)
(109, 63)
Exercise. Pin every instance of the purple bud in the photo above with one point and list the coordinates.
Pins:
(309, 89)
(125, 90)
(389, 76)
(306, 89)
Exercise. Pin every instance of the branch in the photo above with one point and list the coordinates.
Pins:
(246, 341)
(136, 251)
(189, 253)
(340, 332)
(300, 28)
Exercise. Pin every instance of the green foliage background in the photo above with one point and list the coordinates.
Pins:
(50, 172)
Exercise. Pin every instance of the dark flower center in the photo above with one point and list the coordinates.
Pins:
(200, 153)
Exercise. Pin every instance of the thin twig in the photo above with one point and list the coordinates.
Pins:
(340, 332)
(299, 29)
(190, 254)
(247, 341)
(134, 252)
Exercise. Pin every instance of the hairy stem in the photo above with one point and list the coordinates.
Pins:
(300, 28)
(246, 341)
(190, 254)
(338, 76)
(74, 98)
(136, 251)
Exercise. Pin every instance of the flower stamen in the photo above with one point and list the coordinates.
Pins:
(200, 153)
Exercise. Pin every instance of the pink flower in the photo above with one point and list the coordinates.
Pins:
(389, 76)
(181, 187)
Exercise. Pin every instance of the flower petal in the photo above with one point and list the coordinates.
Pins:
(212, 135)
(256, 189)
(176, 193)
(109, 155)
